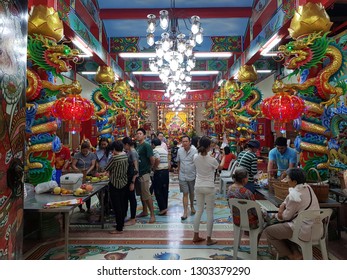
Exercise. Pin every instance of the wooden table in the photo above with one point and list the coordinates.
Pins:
(35, 203)
(330, 203)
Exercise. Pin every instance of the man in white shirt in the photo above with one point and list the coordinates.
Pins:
(186, 174)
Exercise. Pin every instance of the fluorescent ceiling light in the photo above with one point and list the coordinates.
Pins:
(131, 83)
(212, 54)
(137, 55)
(201, 73)
(88, 72)
(273, 41)
(197, 55)
(264, 71)
(193, 73)
(146, 73)
(86, 51)
(270, 54)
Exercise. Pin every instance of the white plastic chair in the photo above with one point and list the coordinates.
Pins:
(226, 178)
(244, 205)
(227, 173)
(312, 220)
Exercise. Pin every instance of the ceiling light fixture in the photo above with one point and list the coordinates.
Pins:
(131, 83)
(86, 51)
(264, 71)
(273, 41)
(88, 72)
(174, 52)
(196, 54)
(192, 73)
(220, 82)
(137, 55)
(213, 54)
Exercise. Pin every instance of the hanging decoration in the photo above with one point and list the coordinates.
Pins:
(73, 109)
(283, 107)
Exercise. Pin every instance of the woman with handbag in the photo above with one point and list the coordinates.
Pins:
(301, 197)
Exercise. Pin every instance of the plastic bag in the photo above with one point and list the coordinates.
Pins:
(45, 187)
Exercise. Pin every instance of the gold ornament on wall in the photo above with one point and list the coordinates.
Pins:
(247, 74)
(104, 75)
(309, 18)
(45, 21)
(231, 86)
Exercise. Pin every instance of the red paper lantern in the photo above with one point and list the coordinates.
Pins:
(204, 124)
(134, 123)
(230, 122)
(74, 109)
(282, 108)
(218, 128)
(147, 126)
(121, 120)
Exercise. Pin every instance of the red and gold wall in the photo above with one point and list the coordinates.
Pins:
(13, 45)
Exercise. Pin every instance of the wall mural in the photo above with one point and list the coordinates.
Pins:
(13, 45)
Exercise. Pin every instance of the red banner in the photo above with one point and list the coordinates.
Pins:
(158, 96)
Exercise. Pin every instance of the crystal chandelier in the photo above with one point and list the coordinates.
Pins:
(174, 53)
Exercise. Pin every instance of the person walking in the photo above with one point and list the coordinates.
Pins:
(205, 165)
(186, 174)
(146, 161)
(161, 176)
(117, 168)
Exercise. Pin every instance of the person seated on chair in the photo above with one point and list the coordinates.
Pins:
(228, 157)
(238, 190)
(301, 197)
(284, 157)
(248, 159)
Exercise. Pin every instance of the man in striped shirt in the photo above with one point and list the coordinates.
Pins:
(249, 160)
(161, 175)
(117, 168)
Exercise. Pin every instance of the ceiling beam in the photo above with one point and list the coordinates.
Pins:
(226, 12)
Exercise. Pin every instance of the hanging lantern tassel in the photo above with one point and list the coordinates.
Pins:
(282, 108)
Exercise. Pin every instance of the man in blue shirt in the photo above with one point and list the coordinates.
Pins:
(283, 156)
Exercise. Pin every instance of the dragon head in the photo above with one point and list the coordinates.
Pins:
(308, 24)
(60, 56)
(296, 53)
(50, 56)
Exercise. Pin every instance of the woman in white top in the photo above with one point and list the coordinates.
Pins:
(204, 188)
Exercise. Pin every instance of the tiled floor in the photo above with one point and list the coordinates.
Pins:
(168, 238)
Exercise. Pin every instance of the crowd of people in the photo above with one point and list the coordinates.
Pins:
(141, 167)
